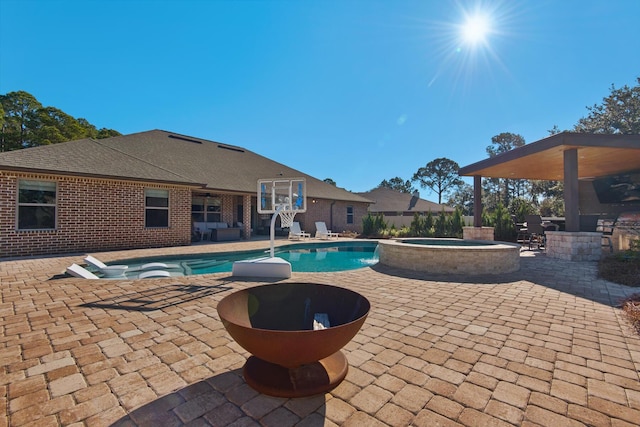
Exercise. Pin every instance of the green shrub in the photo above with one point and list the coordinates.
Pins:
(457, 223)
(428, 225)
(373, 226)
(444, 225)
(441, 225)
(502, 223)
(416, 228)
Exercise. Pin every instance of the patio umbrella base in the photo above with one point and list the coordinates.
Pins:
(306, 380)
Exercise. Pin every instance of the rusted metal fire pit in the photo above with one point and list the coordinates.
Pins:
(275, 323)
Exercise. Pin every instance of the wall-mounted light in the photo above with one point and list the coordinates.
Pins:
(314, 201)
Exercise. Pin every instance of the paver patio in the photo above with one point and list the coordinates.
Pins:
(543, 346)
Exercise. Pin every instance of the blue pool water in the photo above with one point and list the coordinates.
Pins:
(304, 258)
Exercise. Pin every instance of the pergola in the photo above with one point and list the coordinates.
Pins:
(566, 157)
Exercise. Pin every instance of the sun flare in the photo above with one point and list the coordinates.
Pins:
(475, 29)
(471, 41)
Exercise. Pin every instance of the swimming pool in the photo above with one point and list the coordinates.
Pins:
(304, 258)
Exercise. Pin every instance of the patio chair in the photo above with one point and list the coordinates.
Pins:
(536, 230)
(77, 271)
(119, 270)
(522, 233)
(606, 226)
(295, 232)
(107, 270)
(323, 233)
(202, 229)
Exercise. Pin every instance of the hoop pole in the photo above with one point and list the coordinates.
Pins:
(273, 231)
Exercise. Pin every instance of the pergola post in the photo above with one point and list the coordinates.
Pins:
(571, 210)
(477, 201)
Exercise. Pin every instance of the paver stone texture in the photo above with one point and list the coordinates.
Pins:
(544, 346)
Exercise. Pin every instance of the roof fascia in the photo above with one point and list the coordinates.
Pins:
(97, 176)
(568, 139)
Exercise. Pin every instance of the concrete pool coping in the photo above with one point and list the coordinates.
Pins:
(542, 346)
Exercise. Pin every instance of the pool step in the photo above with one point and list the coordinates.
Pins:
(262, 267)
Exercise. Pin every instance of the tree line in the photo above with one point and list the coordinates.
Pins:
(25, 122)
(619, 113)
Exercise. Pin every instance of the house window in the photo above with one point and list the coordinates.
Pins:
(156, 212)
(349, 214)
(197, 209)
(206, 209)
(214, 209)
(36, 205)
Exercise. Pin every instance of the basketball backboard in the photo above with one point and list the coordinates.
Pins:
(290, 192)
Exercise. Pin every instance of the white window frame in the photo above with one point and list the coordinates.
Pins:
(36, 183)
(157, 193)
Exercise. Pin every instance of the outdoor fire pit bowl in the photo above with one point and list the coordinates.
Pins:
(275, 323)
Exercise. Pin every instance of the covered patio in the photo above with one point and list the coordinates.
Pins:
(577, 159)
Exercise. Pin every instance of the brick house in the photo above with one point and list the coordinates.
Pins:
(399, 208)
(145, 190)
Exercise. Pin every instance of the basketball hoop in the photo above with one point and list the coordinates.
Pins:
(284, 197)
(286, 218)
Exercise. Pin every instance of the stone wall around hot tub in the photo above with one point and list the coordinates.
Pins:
(493, 258)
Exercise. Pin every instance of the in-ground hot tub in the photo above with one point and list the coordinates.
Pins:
(452, 256)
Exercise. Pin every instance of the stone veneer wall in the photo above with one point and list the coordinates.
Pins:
(574, 246)
(92, 215)
(477, 233)
(494, 258)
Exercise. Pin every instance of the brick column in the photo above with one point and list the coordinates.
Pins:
(228, 208)
(246, 213)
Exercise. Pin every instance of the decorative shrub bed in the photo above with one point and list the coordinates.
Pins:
(622, 268)
(631, 308)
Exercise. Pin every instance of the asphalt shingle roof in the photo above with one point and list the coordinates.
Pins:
(388, 200)
(161, 156)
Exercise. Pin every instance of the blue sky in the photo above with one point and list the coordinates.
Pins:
(355, 91)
